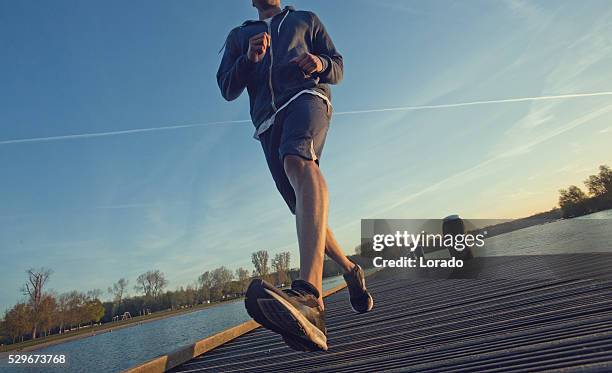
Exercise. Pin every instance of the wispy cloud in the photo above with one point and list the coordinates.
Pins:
(350, 112)
(606, 130)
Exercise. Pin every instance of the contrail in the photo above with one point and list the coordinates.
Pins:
(472, 103)
(352, 112)
(123, 132)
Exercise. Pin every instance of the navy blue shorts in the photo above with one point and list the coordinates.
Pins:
(299, 129)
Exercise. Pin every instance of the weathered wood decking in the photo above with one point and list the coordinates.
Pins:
(521, 314)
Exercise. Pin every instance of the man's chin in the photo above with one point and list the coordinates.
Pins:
(263, 4)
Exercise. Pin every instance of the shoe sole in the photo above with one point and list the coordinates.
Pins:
(259, 298)
(286, 317)
(253, 294)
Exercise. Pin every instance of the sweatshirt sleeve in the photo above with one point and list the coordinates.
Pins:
(333, 66)
(234, 70)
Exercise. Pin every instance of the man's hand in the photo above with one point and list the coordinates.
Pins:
(309, 63)
(258, 45)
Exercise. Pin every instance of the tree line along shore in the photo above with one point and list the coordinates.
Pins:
(44, 315)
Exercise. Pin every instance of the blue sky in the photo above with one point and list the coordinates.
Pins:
(96, 209)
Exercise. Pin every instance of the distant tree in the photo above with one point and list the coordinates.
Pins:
(281, 265)
(94, 294)
(34, 290)
(260, 262)
(4, 334)
(151, 283)
(75, 308)
(205, 282)
(63, 311)
(222, 276)
(174, 298)
(183, 297)
(234, 288)
(221, 280)
(18, 321)
(118, 291)
(600, 185)
(92, 311)
(191, 295)
(47, 313)
(572, 201)
(242, 275)
(573, 195)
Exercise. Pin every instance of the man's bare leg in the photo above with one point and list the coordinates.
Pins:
(333, 250)
(310, 216)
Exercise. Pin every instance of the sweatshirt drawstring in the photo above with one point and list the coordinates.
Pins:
(282, 20)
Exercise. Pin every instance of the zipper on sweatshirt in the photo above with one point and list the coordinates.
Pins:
(270, 68)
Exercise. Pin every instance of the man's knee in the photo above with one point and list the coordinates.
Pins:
(297, 167)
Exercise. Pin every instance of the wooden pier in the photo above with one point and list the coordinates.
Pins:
(521, 314)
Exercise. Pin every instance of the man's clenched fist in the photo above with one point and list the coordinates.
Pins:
(258, 45)
(309, 63)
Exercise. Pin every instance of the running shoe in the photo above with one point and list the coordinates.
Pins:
(361, 299)
(294, 313)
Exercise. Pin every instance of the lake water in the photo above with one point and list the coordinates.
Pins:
(124, 348)
(586, 234)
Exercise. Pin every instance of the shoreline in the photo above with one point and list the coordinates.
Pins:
(106, 329)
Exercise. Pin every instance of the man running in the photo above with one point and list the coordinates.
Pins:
(286, 61)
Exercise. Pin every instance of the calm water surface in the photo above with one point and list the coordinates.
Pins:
(586, 234)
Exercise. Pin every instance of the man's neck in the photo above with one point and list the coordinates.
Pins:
(270, 12)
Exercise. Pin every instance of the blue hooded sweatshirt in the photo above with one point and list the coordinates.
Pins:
(273, 81)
